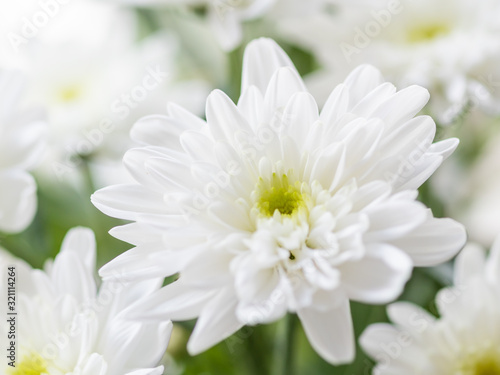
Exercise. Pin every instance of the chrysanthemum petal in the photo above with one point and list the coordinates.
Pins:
(433, 242)
(127, 202)
(379, 277)
(330, 332)
(216, 322)
(261, 60)
(17, 201)
(470, 264)
(362, 81)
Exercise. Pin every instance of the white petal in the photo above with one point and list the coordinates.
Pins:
(394, 219)
(300, 113)
(224, 118)
(95, 365)
(137, 348)
(24, 143)
(433, 242)
(336, 105)
(251, 105)
(81, 241)
(18, 200)
(136, 160)
(128, 201)
(209, 269)
(373, 339)
(197, 145)
(373, 100)
(183, 116)
(409, 316)
(217, 321)
(148, 371)
(362, 81)
(225, 24)
(470, 263)
(70, 276)
(263, 57)
(379, 277)
(139, 263)
(175, 301)
(402, 106)
(330, 332)
(284, 84)
(159, 130)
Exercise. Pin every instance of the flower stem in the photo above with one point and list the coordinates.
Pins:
(285, 346)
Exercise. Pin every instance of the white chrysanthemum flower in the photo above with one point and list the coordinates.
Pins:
(451, 47)
(465, 340)
(270, 206)
(96, 79)
(21, 145)
(66, 325)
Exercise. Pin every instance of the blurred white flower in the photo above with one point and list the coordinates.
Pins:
(224, 16)
(465, 340)
(67, 325)
(22, 143)
(96, 79)
(270, 206)
(451, 47)
(475, 197)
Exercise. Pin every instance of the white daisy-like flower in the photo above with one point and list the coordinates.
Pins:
(465, 340)
(225, 17)
(95, 80)
(65, 325)
(451, 47)
(21, 145)
(270, 206)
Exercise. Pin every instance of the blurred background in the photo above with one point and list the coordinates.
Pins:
(95, 67)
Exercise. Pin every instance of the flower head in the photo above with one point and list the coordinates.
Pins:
(67, 325)
(463, 341)
(272, 206)
(449, 47)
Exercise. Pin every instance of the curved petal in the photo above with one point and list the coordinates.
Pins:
(330, 332)
(81, 241)
(129, 201)
(409, 316)
(470, 263)
(379, 277)
(18, 200)
(175, 301)
(263, 57)
(217, 321)
(284, 84)
(361, 81)
(374, 337)
(434, 241)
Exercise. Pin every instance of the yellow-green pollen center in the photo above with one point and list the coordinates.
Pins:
(488, 364)
(424, 33)
(279, 195)
(70, 93)
(32, 364)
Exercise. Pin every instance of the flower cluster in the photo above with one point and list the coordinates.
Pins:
(244, 166)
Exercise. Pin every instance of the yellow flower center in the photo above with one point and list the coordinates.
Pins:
(487, 368)
(32, 364)
(424, 33)
(279, 195)
(485, 364)
(70, 93)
